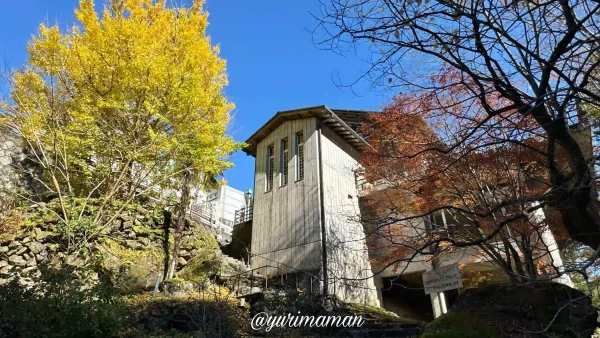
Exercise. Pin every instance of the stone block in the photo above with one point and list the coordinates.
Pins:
(21, 250)
(36, 247)
(177, 288)
(17, 260)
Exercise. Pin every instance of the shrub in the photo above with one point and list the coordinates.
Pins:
(57, 304)
(209, 314)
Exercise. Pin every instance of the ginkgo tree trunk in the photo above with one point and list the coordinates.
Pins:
(184, 201)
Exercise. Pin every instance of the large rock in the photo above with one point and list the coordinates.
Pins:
(75, 261)
(231, 266)
(131, 270)
(177, 288)
(5, 271)
(517, 311)
(144, 241)
(41, 257)
(17, 261)
(127, 225)
(40, 234)
(36, 247)
(133, 244)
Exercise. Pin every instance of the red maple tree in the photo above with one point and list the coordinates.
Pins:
(477, 181)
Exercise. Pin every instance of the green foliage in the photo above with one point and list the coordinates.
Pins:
(212, 314)
(58, 305)
(576, 252)
(457, 325)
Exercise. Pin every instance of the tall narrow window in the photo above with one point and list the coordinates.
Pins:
(270, 166)
(284, 162)
(299, 156)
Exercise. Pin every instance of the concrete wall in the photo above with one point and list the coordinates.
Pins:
(218, 208)
(232, 200)
(349, 270)
(286, 220)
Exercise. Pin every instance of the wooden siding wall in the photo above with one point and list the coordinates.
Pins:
(286, 222)
(349, 270)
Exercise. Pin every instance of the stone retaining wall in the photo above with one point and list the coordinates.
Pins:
(133, 244)
(11, 153)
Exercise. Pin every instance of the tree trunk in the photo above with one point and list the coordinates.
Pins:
(573, 197)
(166, 227)
(184, 201)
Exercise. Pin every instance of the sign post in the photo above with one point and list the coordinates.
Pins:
(439, 280)
(442, 279)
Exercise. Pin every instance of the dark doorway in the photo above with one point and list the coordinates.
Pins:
(450, 297)
(405, 296)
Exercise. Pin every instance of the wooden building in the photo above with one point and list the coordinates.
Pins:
(306, 218)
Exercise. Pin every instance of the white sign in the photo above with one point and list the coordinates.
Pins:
(213, 195)
(442, 279)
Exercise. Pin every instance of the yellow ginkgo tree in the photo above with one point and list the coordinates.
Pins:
(126, 101)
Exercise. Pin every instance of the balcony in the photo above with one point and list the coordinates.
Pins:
(243, 215)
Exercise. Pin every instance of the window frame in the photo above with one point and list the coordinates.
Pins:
(299, 155)
(270, 168)
(284, 153)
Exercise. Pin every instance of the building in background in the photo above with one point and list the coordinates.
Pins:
(217, 208)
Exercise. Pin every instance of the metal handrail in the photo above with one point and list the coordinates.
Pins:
(251, 271)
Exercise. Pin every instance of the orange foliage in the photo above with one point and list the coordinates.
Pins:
(440, 149)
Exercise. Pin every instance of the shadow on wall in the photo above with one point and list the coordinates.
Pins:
(293, 245)
(349, 270)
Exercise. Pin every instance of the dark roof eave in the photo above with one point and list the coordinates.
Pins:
(274, 122)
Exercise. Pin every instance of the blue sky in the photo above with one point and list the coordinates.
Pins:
(272, 63)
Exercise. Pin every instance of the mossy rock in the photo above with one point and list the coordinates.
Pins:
(173, 280)
(518, 310)
(7, 237)
(199, 238)
(131, 270)
(376, 313)
(457, 325)
(206, 263)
